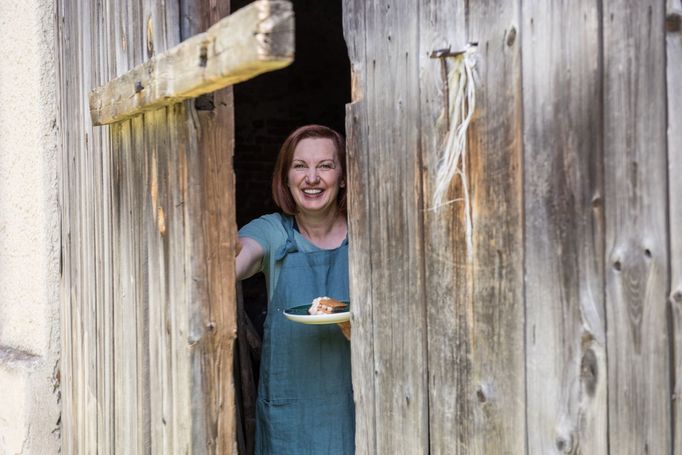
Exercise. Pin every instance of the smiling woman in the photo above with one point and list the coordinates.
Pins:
(315, 175)
(305, 380)
(314, 89)
(309, 183)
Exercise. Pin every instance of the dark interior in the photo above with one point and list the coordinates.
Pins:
(313, 89)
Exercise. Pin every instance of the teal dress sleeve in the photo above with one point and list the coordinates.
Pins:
(270, 234)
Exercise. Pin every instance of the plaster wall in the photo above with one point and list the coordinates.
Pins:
(29, 231)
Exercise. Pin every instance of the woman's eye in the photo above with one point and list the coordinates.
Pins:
(326, 166)
(298, 166)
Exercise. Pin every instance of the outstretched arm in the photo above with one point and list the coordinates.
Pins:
(249, 257)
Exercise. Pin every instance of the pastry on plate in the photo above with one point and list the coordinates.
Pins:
(327, 305)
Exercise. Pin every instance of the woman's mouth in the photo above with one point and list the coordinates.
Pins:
(312, 191)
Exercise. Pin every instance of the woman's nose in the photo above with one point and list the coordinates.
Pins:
(312, 176)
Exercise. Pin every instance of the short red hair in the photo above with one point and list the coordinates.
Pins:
(280, 190)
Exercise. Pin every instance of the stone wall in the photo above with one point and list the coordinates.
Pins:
(29, 231)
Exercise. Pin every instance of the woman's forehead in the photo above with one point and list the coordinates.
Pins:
(315, 148)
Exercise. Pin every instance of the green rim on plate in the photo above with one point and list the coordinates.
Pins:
(302, 310)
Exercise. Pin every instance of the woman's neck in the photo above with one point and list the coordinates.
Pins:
(325, 231)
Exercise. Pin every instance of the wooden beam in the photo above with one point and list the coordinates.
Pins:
(256, 39)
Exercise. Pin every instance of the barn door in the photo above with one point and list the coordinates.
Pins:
(553, 324)
(148, 237)
(430, 297)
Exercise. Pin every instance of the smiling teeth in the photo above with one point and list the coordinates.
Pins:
(312, 191)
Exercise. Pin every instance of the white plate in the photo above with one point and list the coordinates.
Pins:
(294, 314)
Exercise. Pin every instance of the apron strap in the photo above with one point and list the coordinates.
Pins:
(290, 245)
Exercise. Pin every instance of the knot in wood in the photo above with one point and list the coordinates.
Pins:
(677, 296)
(673, 22)
(150, 37)
(480, 394)
(203, 56)
(511, 36)
(589, 372)
(564, 445)
(596, 202)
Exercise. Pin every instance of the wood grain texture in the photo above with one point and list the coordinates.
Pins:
(359, 227)
(564, 235)
(674, 85)
(637, 260)
(496, 309)
(387, 82)
(443, 24)
(148, 236)
(256, 39)
(360, 279)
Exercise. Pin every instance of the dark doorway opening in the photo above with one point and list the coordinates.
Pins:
(313, 89)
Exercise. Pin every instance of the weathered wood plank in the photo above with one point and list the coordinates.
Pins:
(564, 236)
(495, 311)
(103, 70)
(81, 241)
(212, 212)
(130, 317)
(156, 182)
(171, 219)
(146, 286)
(160, 31)
(390, 88)
(360, 277)
(256, 39)
(674, 84)
(636, 261)
(360, 272)
(493, 308)
(443, 24)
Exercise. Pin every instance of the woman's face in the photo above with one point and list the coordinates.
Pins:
(314, 177)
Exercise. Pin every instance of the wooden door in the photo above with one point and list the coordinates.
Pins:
(555, 327)
(430, 374)
(148, 235)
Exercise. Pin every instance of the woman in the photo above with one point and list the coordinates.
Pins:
(305, 399)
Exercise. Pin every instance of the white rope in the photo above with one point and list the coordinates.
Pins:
(462, 102)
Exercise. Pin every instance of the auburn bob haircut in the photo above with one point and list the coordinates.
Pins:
(280, 190)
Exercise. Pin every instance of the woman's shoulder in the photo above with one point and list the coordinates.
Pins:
(271, 220)
(267, 230)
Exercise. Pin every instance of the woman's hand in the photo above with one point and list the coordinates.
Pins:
(345, 329)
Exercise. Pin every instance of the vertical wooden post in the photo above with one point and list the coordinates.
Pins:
(564, 233)
(443, 24)
(390, 225)
(637, 261)
(361, 288)
(360, 247)
(674, 93)
(495, 307)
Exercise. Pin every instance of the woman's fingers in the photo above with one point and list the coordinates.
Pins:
(345, 329)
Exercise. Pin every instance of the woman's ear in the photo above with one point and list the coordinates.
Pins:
(342, 184)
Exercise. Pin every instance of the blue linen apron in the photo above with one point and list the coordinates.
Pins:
(305, 398)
